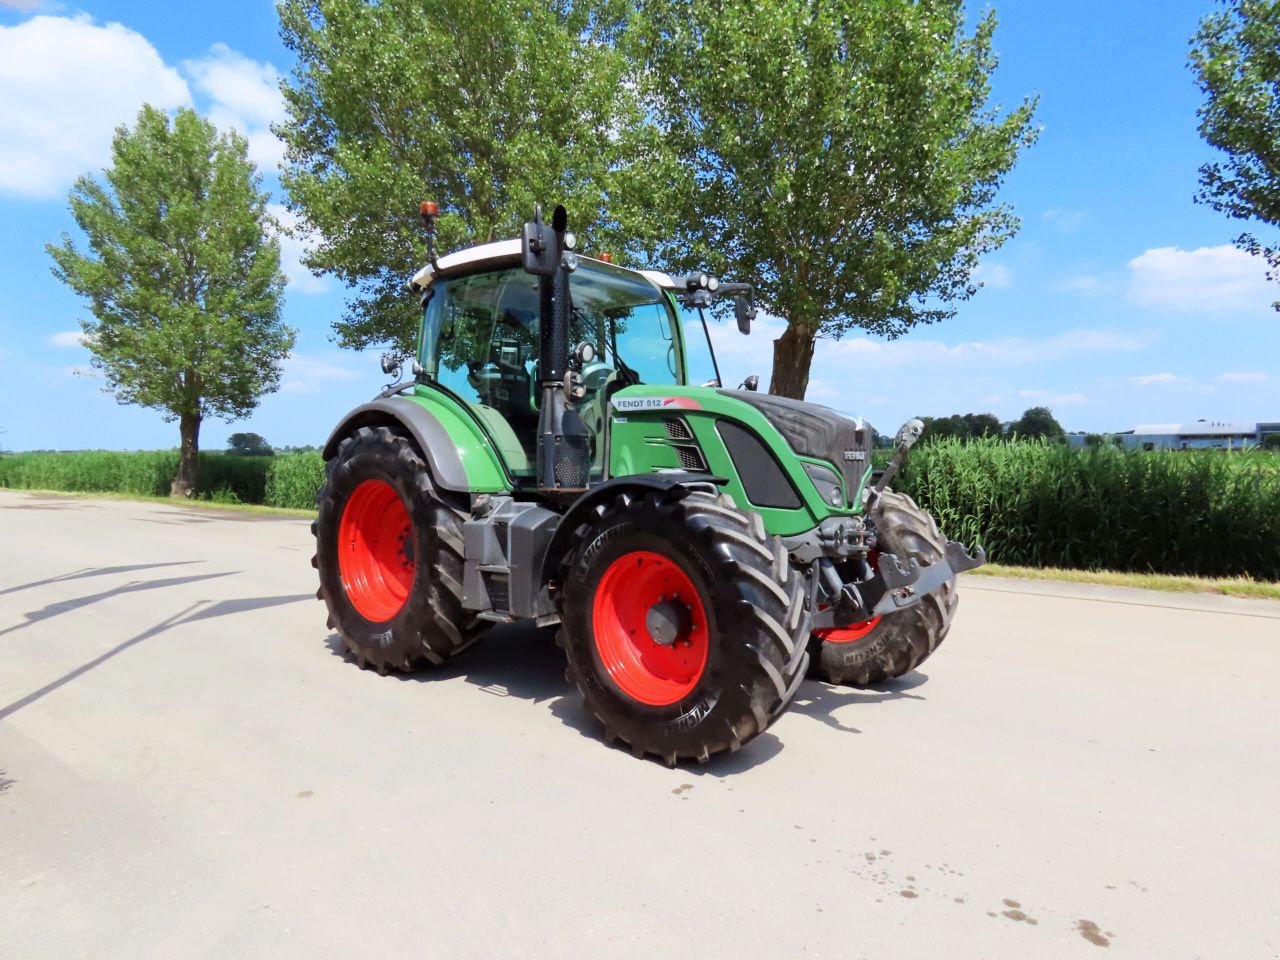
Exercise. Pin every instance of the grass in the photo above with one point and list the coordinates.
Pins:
(192, 504)
(1224, 586)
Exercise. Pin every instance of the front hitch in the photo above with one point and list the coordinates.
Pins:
(898, 586)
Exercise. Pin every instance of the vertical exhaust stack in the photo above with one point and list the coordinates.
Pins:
(564, 457)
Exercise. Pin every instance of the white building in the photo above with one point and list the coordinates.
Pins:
(1200, 435)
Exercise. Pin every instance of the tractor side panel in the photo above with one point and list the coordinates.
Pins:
(657, 428)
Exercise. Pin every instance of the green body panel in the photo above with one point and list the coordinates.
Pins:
(639, 444)
(477, 446)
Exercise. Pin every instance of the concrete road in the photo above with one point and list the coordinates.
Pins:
(188, 768)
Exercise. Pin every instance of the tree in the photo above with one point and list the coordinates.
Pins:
(1037, 423)
(182, 275)
(249, 445)
(485, 106)
(1236, 58)
(1270, 441)
(841, 155)
(966, 427)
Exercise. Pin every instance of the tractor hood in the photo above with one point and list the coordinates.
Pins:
(818, 432)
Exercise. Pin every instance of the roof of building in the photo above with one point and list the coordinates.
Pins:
(1198, 428)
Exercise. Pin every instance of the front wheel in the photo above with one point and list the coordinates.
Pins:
(865, 654)
(389, 554)
(684, 625)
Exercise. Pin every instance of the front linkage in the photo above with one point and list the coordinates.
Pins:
(845, 557)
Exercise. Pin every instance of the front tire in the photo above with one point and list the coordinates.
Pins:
(887, 647)
(389, 554)
(684, 624)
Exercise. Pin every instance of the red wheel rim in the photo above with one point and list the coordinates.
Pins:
(376, 551)
(850, 634)
(650, 672)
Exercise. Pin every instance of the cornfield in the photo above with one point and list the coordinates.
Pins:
(1037, 504)
(1029, 503)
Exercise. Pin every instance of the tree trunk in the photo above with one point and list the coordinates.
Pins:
(184, 484)
(792, 355)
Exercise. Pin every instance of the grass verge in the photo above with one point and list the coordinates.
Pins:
(193, 504)
(1225, 586)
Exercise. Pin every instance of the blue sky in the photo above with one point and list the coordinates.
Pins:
(1120, 302)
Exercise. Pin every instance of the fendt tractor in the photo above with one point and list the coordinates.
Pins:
(566, 453)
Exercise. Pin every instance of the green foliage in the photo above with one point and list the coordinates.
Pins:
(249, 445)
(1041, 504)
(1236, 58)
(182, 275)
(486, 106)
(1038, 423)
(963, 427)
(145, 473)
(843, 156)
(1271, 441)
(292, 480)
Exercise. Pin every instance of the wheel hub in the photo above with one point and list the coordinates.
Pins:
(668, 622)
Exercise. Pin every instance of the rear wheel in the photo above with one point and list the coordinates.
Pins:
(880, 649)
(389, 554)
(684, 625)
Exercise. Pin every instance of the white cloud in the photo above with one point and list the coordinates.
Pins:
(1065, 220)
(294, 244)
(24, 6)
(994, 275)
(1243, 377)
(305, 374)
(66, 83)
(1222, 279)
(67, 338)
(244, 95)
(1155, 378)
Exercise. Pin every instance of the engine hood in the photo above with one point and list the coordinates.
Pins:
(813, 430)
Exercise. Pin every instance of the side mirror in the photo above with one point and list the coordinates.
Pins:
(744, 310)
(752, 383)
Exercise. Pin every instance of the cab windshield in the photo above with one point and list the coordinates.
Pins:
(480, 341)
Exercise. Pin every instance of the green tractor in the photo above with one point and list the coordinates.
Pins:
(565, 453)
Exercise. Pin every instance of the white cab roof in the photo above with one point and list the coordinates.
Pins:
(505, 250)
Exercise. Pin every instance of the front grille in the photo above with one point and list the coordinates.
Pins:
(691, 458)
(677, 429)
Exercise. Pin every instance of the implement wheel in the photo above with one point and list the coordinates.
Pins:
(389, 553)
(684, 625)
(869, 653)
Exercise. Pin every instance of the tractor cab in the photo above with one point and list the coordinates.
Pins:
(480, 342)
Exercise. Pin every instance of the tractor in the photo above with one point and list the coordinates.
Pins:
(564, 452)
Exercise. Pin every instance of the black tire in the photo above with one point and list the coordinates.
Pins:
(757, 622)
(431, 625)
(901, 641)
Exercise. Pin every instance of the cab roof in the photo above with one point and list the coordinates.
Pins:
(504, 253)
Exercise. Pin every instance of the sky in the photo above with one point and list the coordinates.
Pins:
(1119, 302)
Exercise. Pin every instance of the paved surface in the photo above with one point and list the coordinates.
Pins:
(188, 769)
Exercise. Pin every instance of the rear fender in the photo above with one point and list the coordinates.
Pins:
(437, 447)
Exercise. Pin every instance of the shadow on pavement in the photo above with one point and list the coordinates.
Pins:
(95, 572)
(190, 614)
(6, 782)
(821, 700)
(523, 661)
(134, 586)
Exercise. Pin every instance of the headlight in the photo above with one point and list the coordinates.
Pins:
(828, 483)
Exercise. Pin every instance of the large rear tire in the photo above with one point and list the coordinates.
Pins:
(684, 624)
(870, 653)
(389, 554)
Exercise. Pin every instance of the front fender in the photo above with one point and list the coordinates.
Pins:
(424, 427)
